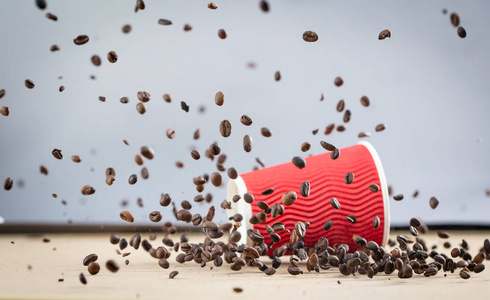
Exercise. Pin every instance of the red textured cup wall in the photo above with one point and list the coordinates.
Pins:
(326, 177)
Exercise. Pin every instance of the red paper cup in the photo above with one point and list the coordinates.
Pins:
(326, 177)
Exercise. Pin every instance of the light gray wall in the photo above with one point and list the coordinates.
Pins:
(428, 86)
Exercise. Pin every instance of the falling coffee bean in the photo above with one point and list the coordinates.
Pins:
(442, 234)
(329, 129)
(267, 193)
(335, 154)
(380, 127)
(29, 84)
(81, 39)
(216, 179)
(41, 4)
(195, 155)
(82, 278)
(232, 173)
(299, 162)
(415, 222)
(225, 128)
(143, 96)
(347, 116)
(384, 34)
(93, 268)
(57, 154)
(340, 105)
(112, 266)
(398, 197)
(173, 274)
(327, 146)
(310, 36)
(265, 132)
(222, 34)
(351, 219)
(8, 183)
(126, 216)
(164, 22)
(249, 198)
(155, 216)
(289, 198)
(277, 76)
(376, 222)
(335, 203)
(219, 98)
(363, 134)
(246, 120)
(305, 189)
(434, 202)
(328, 225)
(187, 27)
(461, 32)
(132, 179)
(338, 81)
(349, 178)
(247, 143)
(365, 101)
(96, 60)
(454, 17)
(374, 188)
(112, 57)
(305, 146)
(413, 231)
(126, 28)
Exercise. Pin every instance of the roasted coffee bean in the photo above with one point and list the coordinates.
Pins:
(265, 132)
(212, 5)
(123, 243)
(93, 268)
(96, 60)
(114, 239)
(195, 155)
(335, 154)
(102, 99)
(126, 216)
(349, 178)
(110, 172)
(132, 179)
(57, 154)
(126, 28)
(443, 234)
(486, 246)
(165, 199)
(277, 76)
(374, 188)
(225, 128)
(328, 225)
(82, 278)
(247, 143)
(170, 133)
(184, 215)
(8, 183)
(351, 219)
(197, 134)
(363, 134)
(232, 173)
(414, 231)
(365, 101)
(347, 116)
(338, 82)
(147, 152)
(167, 98)
(310, 36)
(29, 84)
(139, 160)
(329, 129)
(384, 34)
(112, 57)
(41, 4)
(251, 252)
(196, 219)
(433, 202)
(276, 210)
(294, 270)
(289, 198)
(246, 120)
(415, 222)
(340, 106)
(398, 197)
(304, 189)
(327, 146)
(464, 274)
(2, 93)
(305, 146)
(341, 128)
(264, 6)
(112, 266)
(81, 39)
(335, 203)
(454, 17)
(76, 158)
(124, 100)
(461, 32)
(380, 127)
(87, 190)
(216, 179)
(266, 193)
(479, 268)
(249, 198)
(222, 34)
(299, 162)
(164, 22)
(455, 252)
(376, 222)
(219, 98)
(143, 96)
(162, 262)
(155, 216)
(89, 258)
(140, 4)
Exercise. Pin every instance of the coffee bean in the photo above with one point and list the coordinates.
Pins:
(299, 162)
(335, 203)
(222, 34)
(376, 222)
(264, 6)
(93, 268)
(139, 160)
(140, 4)
(82, 278)
(349, 178)
(374, 188)
(195, 155)
(363, 134)
(155, 216)
(219, 98)
(81, 39)
(461, 32)
(455, 252)
(310, 36)
(216, 179)
(43, 170)
(380, 127)
(232, 173)
(249, 198)
(415, 222)
(87, 190)
(132, 179)
(442, 234)
(2, 93)
(57, 154)
(328, 225)
(304, 189)
(8, 183)
(29, 84)
(433, 202)
(464, 274)
(110, 172)
(126, 216)
(398, 197)
(124, 100)
(123, 244)
(187, 27)
(246, 120)
(251, 253)
(347, 116)
(61, 89)
(329, 129)
(96, 60)
(335, 154)
(126, 28)
(341, 128)
(289, 198)
(89, 258)
(114, 239)
(112, 57)
(414, 231)
(365, 101)
(212, 5)
(479, 268)
(265, 132)
(266, 193)
(225, 128)
(338, 81)
(167, 98)
(101, 98)
(341, 105)
(454, 19)
(164, 22)
(41, 4)
(384, 34)
(143, 96)
(277, 76)
(327, 146)
(147, 152)
(294, 270)
(247, 143)
(351, 219)
(305, 146)
(486, 246)
(112, 266)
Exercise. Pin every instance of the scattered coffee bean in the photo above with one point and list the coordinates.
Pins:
(347, 116)
(143, 96)
(443, 234)
(173, 274)
(384, 34)
(222, 34)
(338, 81)
(126, 28)
(8, 183)
(126, 216)
(2, 93)
(41, 4)
(246, 120)
(335, 154)
(187, 27)
(327, 146)
(57, 154)
(305, 146)
(374, 188)
(376, 222)
(415, 222)
(140, 4)
(112, 57)
(212, 5)
(310, 36)
(114, 238)
(289, 198)
(414, 231)
(365, 101)
(433, 202)
(351, 219)
(265, 132)
(155, 216)
(167, 98)
(112, 266)
(29, 84)
(216, 179)
(132, 179)
(299, 162)
(277, 76)
(335, 203)
(479, 268)
(170, 133)
(349, 178)
(341, 105)
(247, 143)
(267, 192)
(81, 39)
(123, 243)
(124, 100)
(304, 189)
(341, 128)
(195, 155)
(61, 89)
(219, 98)
(232, 173)
(82, 278)
(96, 60)
(380, 127)
(398, 197)
(363, 134)
(87, 190)
(93, 268)
(329, 129)
(461, 32)
(249, 198)
(89, 258)
(464, 274)
(454, 17)
(164, 22)
(101, 98)
(225, 128)
(328, 225)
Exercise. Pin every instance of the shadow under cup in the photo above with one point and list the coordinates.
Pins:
(326, 178)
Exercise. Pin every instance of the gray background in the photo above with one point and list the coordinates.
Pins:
(427, 85)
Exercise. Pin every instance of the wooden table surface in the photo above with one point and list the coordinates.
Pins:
(143, 278)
